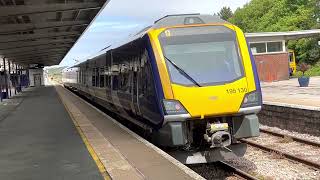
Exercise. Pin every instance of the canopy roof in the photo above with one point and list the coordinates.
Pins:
(43, 31)
(275, 36)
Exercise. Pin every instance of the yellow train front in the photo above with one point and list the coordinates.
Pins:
(188, 80)
(210, 86)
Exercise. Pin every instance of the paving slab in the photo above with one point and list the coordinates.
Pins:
(123, 153)
(289, 92)
(39, 141)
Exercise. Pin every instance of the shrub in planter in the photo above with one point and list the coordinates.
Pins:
(303, 80)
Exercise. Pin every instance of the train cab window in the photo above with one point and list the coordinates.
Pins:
(291, 57)
(209, 55)
(102, 74)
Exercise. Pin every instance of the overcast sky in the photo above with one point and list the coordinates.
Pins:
(120, 18)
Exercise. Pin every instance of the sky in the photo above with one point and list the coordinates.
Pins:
(121, 18)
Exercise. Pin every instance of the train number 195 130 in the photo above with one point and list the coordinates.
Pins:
(237, 90)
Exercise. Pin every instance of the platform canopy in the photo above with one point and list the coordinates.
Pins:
(43, 31)
(279, 36)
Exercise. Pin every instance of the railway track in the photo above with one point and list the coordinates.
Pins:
(220, 170)
(300, 140)
(285, 154)
(225, 167)
(237, 172)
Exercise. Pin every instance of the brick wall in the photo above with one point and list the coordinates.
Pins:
(272, 67)
(292, 119)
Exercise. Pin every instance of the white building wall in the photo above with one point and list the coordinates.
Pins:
(33, 73)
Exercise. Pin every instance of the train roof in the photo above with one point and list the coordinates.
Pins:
(175, 20)
(186, 19)
(166, 21)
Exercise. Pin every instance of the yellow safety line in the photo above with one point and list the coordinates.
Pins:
(93, 154)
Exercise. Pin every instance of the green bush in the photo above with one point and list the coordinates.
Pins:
(313, 71)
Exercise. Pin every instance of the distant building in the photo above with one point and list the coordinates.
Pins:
(271, 53)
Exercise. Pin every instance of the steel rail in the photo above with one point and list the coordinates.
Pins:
(286, 155)
(300, 140)
(236, 171)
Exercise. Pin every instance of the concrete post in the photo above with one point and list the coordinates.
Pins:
(16, 79)
(9, 64)
(27, 72)
(5, 75)
(1, 86)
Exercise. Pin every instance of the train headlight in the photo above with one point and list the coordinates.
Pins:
(252, 99)
(172, 107)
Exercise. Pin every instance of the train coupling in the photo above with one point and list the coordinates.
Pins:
(218, 135)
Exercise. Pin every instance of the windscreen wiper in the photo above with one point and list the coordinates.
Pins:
(183, 72)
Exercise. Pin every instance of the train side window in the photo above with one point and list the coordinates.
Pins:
(97, 77)
(93, 77)
(125, 75)
(115, 82)
(147, 79)
(84, 75)
(102, 72)
(108, 77)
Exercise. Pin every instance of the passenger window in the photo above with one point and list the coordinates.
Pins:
(124, 75)
(102, 72)
(146, 78)
(97, 77)
(115, 82)
(93, 77)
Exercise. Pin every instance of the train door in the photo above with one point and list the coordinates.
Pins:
(147, 97)
(135, 86)
(108, 76)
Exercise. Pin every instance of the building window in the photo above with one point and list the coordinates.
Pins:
(258, 48)
(274, 47)
(266, 47)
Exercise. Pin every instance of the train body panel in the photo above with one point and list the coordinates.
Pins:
(214, 99)
(191, 85)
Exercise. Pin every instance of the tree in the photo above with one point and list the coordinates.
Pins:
(225, 13)
(283, 15)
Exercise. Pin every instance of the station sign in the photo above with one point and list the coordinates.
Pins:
(35, 66)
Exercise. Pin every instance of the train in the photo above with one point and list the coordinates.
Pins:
(188, 80)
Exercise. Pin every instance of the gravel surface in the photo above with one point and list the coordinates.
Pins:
(272, 166)
(269, 166)
(212, 171)
(292, 133)
(289, 146)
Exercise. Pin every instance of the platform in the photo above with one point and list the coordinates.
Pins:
(124, 154)
(50, 133)
(288, 93)
(39, 140)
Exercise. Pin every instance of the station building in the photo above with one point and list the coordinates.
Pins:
(271, 53)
